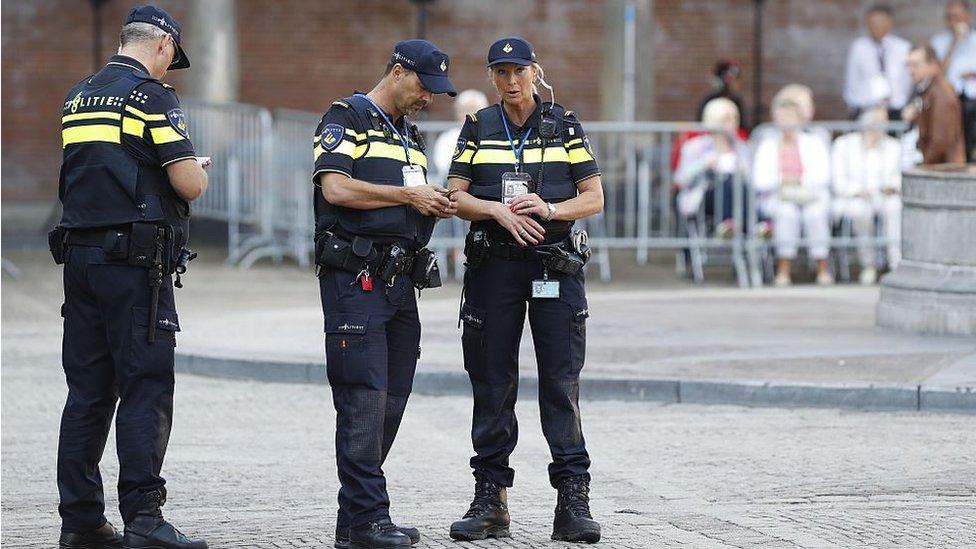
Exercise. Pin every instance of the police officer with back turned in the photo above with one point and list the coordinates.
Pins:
(526, 173)
(374, 215)
(128, 174)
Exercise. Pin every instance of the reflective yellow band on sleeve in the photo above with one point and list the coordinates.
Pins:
(386, 150)
(89, 115)
(95, 132)
(165, 134)
(134, 127)
(346, 148)
(576, 141)
(144, 116)
(579, 155)
(465, 156)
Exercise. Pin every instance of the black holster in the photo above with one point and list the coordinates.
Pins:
(475, 248)
(57, 242)
(426, 273)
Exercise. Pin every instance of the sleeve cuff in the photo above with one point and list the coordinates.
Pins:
(459, 176)
(585, 177)
(330, 170)
(178, 158)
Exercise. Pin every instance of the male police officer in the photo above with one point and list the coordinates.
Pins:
(374, 214)
(128, 174)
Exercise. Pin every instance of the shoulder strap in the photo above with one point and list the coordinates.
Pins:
(489, 122)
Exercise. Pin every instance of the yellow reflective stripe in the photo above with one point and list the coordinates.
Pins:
(93, 132)
(134, 127)
(497, 143)
(395, 152)
(576, 141)
(89, 115)
(579, 155)
(346, 147)
(530, 156)
(465, 156)
(165, 134)
(316, 151)
(144, 116)
(351, 133)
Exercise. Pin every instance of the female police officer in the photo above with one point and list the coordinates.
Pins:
(526, 173)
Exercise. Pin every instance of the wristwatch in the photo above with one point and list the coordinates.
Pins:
(552, 210)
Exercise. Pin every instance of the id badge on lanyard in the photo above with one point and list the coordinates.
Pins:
(413, 176)
(515, 184)
(545, 288)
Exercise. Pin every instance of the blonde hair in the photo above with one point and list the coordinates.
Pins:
(797, 96)
(716, 110)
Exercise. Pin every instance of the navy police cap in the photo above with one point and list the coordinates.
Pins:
(430, 64)
(159, 18)
(511, 50)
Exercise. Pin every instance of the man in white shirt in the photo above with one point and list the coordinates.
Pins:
(956, 48)
(877, 73)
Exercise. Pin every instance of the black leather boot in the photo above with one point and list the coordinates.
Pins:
(573, 521)
(380, 534)
(103, 537)
(342, 536)
(488, 515)
(148, 530)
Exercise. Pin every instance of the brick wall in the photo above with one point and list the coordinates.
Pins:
(303, 54)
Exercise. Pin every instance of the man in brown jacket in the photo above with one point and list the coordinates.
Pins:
(936, 109)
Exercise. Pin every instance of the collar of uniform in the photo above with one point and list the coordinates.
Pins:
(126, 61)
(533, 120)
(388, 115)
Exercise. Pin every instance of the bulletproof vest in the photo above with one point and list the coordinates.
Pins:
(556, 182)
(374, 164)
(102, 182)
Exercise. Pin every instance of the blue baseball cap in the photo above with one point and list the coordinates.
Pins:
(430, 64)
(511, 50)
(159, 18)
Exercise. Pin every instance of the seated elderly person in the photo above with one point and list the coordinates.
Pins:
(791, 173)
(867, 182)
(710, 163)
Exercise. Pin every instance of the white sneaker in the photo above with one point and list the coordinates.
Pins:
(782, 280)
(825, 279)
(869, 275)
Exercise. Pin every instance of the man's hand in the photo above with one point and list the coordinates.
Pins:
(528, 204)
(525, 230)
(430, 200)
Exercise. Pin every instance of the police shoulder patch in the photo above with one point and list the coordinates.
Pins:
(459, 148)
(331, 136)
(178, 121)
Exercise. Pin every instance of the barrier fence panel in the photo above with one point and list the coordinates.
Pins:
(262, 163)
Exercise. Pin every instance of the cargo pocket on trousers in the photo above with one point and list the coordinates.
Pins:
(154, 359)
(345, 349)
(577, 337)
(473, 338)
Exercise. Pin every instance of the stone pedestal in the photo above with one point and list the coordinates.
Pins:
(933, 290)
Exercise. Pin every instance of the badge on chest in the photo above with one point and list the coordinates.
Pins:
(413, 176)
(515, 184)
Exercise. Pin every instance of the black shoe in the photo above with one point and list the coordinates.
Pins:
(488, 515)
(103, 537)
(573, 521)
(380, 534)
(148, 530)
(342, 536)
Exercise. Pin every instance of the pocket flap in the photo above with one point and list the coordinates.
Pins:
(346, 323)
(361, 246)
(165, 320)
(473, 316)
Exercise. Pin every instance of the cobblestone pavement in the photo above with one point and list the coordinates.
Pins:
(251, 465)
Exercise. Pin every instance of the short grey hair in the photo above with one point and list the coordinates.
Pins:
(140, 32)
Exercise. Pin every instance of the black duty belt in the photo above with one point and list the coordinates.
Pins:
(95, 238)
(510, 251)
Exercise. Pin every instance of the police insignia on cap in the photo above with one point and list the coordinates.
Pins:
(459, 148)
(507, 48)
(332, 136)
(178, 121)
(444, 66)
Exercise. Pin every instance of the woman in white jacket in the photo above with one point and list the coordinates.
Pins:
(791, 174)
(867, 181)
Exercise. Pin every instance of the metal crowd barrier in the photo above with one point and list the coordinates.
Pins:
(262, 162)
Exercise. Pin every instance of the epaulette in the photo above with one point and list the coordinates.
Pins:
(472, 117)
(167, 86)
(342, 104)
(570, 116)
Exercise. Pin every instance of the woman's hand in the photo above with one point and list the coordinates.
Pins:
(529, 204)
(525, 230)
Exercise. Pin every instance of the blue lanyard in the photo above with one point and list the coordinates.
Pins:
(403, 142)
(511, 142)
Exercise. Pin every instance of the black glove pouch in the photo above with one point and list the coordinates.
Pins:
(57, 243)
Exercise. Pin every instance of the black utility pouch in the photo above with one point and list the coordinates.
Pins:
(426, 273)
(57, 242)
(330, 250)
(559, 260)
(142, 244)
(391, 264)
(115, 245)
(362, 253)
(475, 248)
